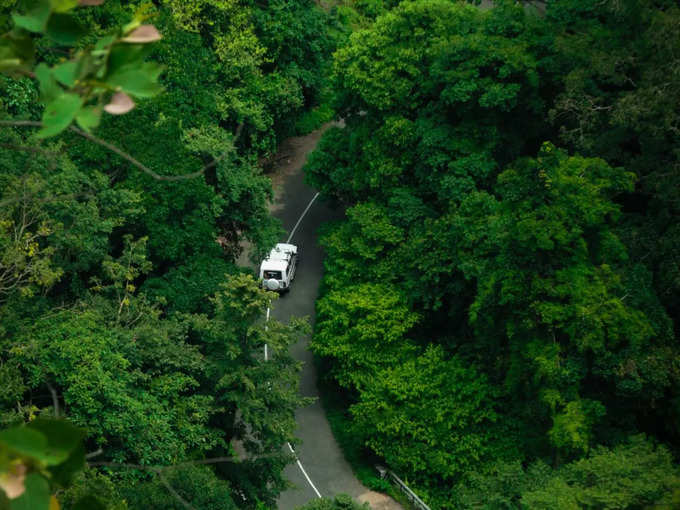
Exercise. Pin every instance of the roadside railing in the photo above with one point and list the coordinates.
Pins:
(412, 496)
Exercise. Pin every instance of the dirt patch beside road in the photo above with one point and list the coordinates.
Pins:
(289, 160)
(378, 501)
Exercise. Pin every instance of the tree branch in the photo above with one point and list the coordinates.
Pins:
(128, 157)
(155, 469)
(94, 454)
(55, 399)
(159, 470)
(172, 491)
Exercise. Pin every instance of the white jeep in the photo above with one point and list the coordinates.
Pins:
(278, 269)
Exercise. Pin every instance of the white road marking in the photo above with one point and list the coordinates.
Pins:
(266, 328)
(292, 232)
(318, 494)
(266, 358)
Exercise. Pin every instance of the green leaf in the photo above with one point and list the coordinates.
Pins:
(102, 45)
(49, 88)
(63, 5)
(37, 495)
(62, 437)
(89, 503)
(4, 501)
(66, 73)
(36, 19)
(89, 117)
(25, 441)
(8, 57)
(63, 473)
(16, 50)
(126, 55)
(138, 80)
(59, 114)
(64, 29)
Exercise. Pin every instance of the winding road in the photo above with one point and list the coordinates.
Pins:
(325, 471)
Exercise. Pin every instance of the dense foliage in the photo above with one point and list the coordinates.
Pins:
(121, 305)
(498, 301)
(498, 304)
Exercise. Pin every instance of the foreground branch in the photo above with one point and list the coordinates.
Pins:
(160, 470)
(128, 157)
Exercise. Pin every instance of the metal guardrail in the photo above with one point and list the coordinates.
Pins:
(412, 496)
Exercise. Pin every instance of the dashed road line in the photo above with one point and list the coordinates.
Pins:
(292, 232)
(318, 494)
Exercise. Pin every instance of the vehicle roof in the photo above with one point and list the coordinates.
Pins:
(281, 251)
(273, 265)
(278, 257)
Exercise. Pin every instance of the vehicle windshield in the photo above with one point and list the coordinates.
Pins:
(268, 275)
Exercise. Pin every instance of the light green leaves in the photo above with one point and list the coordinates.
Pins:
(573, 426)
(44, 452)
(356, 330)
(124, 71)
(66, 73)
(24, 441)
(49, 88)
(49, 442)
(138, 79)
(430, 414)
(77, 89)
(63, 5)
(36, 496)
(16, 51)
(49, 17)
(35, 20)
(64, 29)
(89, 117)
(61, 438)
(59, 114)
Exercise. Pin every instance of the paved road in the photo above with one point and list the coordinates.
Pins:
(319, 453)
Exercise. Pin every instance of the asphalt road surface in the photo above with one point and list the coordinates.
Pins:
(319, 453)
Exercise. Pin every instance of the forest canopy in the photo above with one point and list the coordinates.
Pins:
(130, 178)
(499, 300)
(498, 315)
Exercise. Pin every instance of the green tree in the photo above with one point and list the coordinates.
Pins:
(124, 248)
(617, 98)
(429, 93)
(195, 484)
(359, 248)
(434, 418)
(363, 328)
(260, 396)
(544, 257)
(634, 474)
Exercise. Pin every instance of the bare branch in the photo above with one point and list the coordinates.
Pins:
(172, 491)
(93, 454)
(155, 469)
(128, 157)
(68, 196)
(55, 399)
(159, 470)
(115, 465)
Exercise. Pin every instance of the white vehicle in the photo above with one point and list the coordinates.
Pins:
(278, 269)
